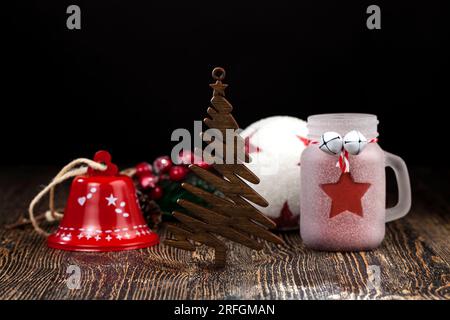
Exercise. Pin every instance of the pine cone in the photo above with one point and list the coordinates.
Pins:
(150, 209)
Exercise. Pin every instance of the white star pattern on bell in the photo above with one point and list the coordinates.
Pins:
(138, 233)
(80, 236)
(127, 235)
(108, 237)
(97, 237)
(88, 236)
(111, 200)
(119, 237)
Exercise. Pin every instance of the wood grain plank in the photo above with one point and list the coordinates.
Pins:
(414, 259)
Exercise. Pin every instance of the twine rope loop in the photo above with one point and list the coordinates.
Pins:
(75, 168)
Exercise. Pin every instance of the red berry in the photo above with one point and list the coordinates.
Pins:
(188, 157)
(148, 181)
(178, 173)
(162, 164)
(203, 165)
(156, 193)
(143, 169)
(185, 157)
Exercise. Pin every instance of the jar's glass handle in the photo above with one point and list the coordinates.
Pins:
(404, 187)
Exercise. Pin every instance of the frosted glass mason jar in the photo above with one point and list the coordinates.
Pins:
(347, 211)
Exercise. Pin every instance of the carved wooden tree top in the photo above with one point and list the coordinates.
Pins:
(233, 216)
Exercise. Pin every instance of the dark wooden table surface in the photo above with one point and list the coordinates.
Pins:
(413, 261)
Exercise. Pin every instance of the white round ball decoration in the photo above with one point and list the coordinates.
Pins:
(275, 145)
(331, 143)
(354, 142)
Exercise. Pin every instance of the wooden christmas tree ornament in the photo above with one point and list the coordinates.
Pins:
(232, 216)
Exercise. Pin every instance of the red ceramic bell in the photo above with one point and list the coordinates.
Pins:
(102, 213)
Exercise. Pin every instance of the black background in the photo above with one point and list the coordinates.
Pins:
(137, 70)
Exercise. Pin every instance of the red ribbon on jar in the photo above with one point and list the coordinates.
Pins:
(353, 143)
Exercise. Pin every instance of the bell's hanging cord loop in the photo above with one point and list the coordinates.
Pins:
(130, 172)
(69, 171)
